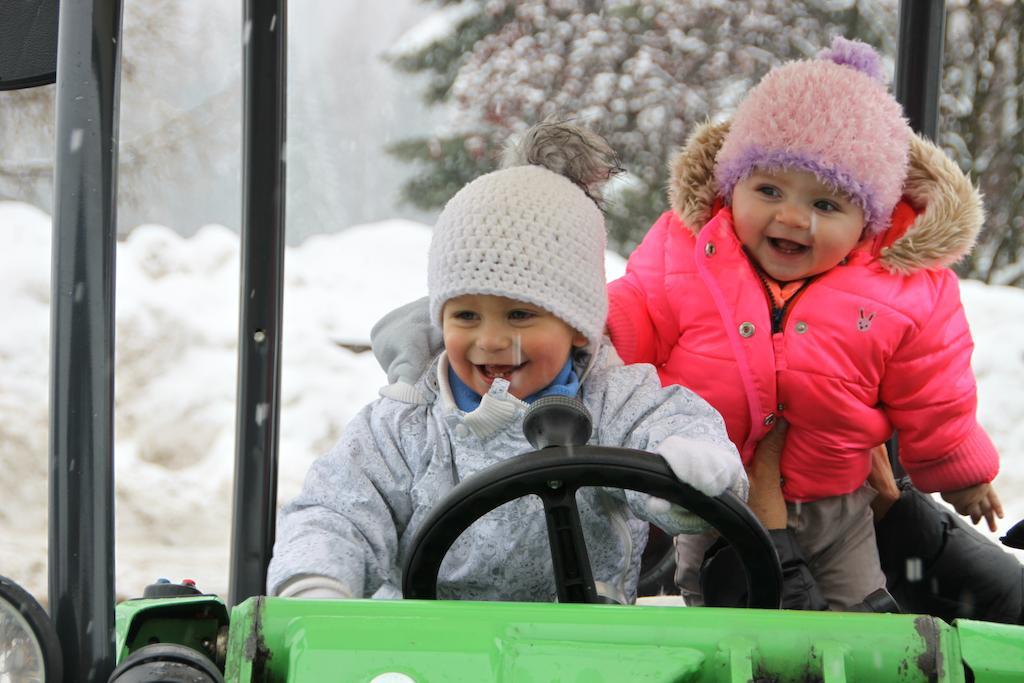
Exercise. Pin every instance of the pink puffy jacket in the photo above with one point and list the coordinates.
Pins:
(875, 344)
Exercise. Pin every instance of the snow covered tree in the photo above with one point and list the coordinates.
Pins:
(981, 126)
(26, 160)
(155, 129)
(641, 72)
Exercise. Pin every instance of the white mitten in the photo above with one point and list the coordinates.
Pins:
(707, 467)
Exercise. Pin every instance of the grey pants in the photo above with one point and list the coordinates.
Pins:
(837, 536)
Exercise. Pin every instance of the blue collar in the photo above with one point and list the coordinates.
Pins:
(566, 383)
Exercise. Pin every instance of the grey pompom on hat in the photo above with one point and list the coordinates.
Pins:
(531, 231)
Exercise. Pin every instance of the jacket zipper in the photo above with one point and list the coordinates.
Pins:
(778, 313)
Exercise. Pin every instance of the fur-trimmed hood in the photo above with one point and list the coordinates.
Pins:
(950, 211)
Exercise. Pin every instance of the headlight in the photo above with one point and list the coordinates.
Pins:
(29, 649)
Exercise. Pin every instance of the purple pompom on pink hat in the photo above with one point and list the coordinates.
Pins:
(832, 116)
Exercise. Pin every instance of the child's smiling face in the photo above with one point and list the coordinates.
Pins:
(794, 225)
(490, 336)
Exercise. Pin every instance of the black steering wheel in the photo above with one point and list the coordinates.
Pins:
(554, 473)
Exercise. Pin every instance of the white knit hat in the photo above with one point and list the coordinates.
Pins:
(529, 234)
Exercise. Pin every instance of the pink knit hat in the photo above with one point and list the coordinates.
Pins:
(832, 116)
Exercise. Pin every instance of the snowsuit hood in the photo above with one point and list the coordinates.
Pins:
(949, 211)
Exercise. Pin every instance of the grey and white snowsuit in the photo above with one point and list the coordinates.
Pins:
(362, 502)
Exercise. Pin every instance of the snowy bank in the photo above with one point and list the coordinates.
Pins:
(177, 320)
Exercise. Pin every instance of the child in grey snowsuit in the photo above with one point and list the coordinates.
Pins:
(517, 288)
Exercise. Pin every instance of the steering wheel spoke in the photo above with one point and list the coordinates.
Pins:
(574, 579)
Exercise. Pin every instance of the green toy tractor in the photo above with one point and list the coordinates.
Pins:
(175, 632)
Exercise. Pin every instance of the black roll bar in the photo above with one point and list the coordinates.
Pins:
(922, 33)
(259, 331)
(81, 486)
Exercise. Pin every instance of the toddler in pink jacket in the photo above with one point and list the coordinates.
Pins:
(802, 274)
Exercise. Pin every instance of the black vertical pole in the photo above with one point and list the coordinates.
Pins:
(919, 62)
(922, 34)
(81, 536)
(259, 334)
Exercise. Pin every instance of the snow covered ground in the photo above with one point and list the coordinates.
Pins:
(177, 303)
